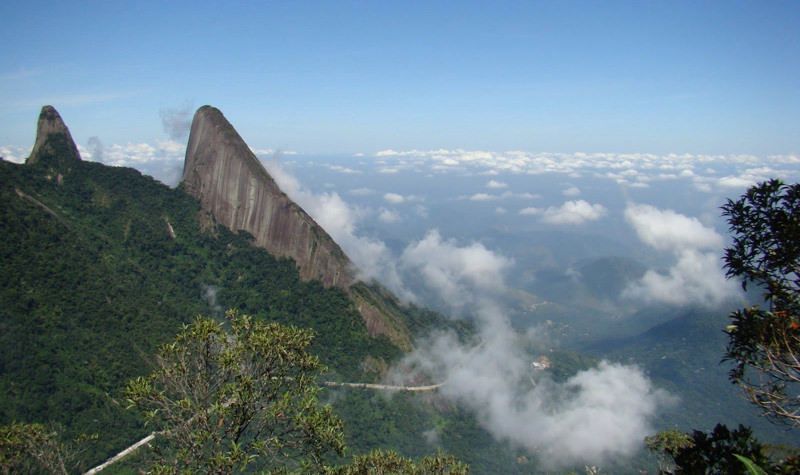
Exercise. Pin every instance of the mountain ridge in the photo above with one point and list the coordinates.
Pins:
(54, 145)
(230, 182)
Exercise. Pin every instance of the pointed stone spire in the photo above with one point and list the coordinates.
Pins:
(54, 144)
(223, 173)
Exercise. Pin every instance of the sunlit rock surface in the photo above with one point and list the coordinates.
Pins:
(224, 174)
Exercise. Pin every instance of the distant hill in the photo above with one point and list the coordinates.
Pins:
(683, 353)
(581, 303)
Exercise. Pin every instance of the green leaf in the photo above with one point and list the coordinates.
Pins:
(752, 468)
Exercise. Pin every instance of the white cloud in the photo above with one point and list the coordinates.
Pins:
(572, 212)
(696, 276)
(558, 421)
(267, 153)
(361, 191)
(394, 198)
(388, 216)
(483, 197)
(163, 161)
(502, 196)
(748, 177)
(731, 181)
(631, 169)
(526, 195)
(667, 230)
(530, 211)
(371, 256)
(177, 121)
(341, 169)
(494, 184)
(455, 273)
(15, 154)
(495, 380)
(572, 191)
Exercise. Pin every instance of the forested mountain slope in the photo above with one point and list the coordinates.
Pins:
(102, 264)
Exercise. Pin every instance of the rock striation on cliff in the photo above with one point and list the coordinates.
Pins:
(54, 145)
(231, 183)
(223, 173)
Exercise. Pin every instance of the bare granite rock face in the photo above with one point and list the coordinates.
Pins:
(54, 144)
(230, 182)
(223, 173)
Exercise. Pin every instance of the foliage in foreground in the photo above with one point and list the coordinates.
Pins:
(765, 342)
(225, 400)
(379, 462)
(711, 453)
(247, 398)
(34, 448)
(721, 451)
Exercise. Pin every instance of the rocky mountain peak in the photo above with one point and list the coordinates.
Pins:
(54, 145)
(223, 173)
(231, 183)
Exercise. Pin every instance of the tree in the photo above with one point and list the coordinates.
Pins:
(666, 445)
(715, 452)
(226, 400)
(247, 398)
(379, 462)
(719, 452)
(35, 448)
(764, 340)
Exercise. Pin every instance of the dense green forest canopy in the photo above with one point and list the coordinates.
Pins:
(101, 265)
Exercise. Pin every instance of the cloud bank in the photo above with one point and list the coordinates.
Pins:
(696, 276)
(595, 417)
(632, 170)
(455, 275)
(493, 376)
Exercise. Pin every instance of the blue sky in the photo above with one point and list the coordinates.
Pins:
(347, 77)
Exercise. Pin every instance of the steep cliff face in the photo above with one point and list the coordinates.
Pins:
(231, 184)
(54, 145)
(227, 178)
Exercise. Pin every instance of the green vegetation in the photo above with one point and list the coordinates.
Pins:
(102, 265)
(765, 342)
(34, 448)
(380, 462)
(245, 398)
(225, 400)
(717, 452)
(92, 282)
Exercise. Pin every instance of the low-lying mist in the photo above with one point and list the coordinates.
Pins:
(595, 416)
